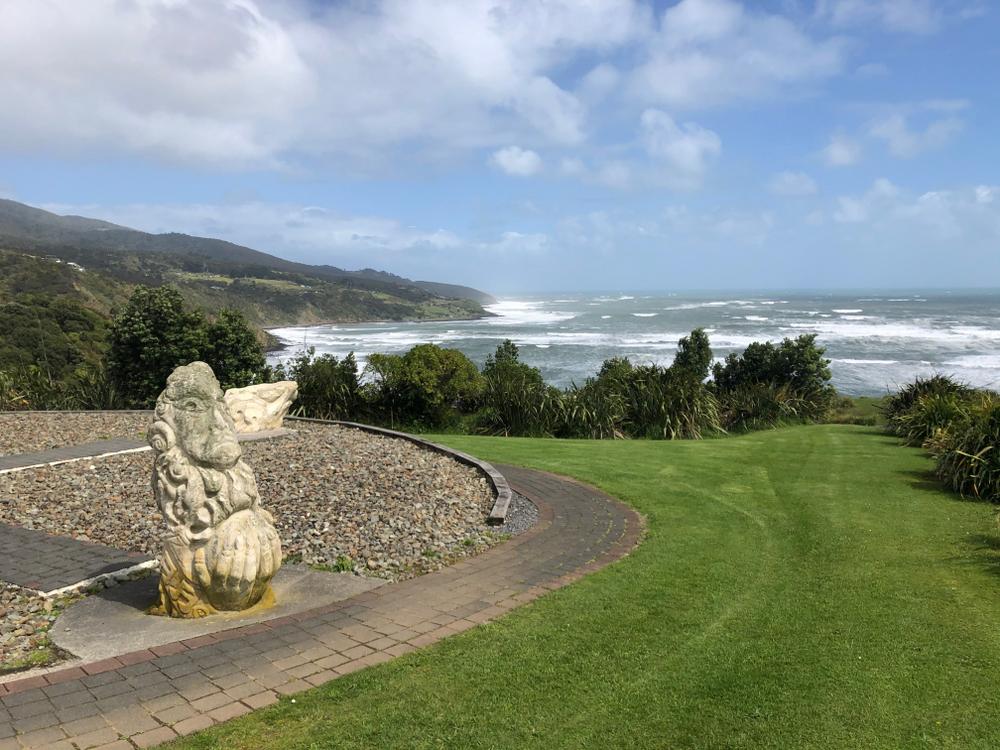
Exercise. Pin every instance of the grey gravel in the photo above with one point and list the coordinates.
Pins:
(521, 516)
(340, 497)
(25, 618)
(33, 432)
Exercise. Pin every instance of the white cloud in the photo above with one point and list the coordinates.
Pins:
(712, 52)
(904, 141)
(960, 221)
(792, 184)
(856, 209)
(245, 83)
(841, 151)
(290, 84)
(684, 150)
(517, 161)
(908, 16)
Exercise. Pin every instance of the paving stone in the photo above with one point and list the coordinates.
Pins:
(96, 738)
(202, 705)
(194, 724)
(154, 737)
(266, 698)
(131, 721)
(42, 738)
(82, 726)
(229, 711)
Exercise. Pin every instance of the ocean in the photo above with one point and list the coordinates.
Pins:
(876, 341)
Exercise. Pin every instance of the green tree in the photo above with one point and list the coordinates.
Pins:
(328, 387)
(234, 352)
(151, 336)
(694, 356)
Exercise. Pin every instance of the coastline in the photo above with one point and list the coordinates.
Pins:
(876, 341)
(282, 346)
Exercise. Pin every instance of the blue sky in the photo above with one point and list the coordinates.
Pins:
(526, 146)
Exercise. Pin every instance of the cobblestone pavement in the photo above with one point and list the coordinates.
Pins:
(45, 563)
(148, 697)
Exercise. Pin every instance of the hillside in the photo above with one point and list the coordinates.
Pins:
(36, 247)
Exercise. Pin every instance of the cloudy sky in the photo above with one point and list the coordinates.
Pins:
(526, 146)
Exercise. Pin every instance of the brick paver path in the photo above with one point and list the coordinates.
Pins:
(144, 698)
(40, 561)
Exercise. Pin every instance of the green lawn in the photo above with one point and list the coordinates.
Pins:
(805, 587)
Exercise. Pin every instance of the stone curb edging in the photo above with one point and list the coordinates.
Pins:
(148, 697)
(501, 504)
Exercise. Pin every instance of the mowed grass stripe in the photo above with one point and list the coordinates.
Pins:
(809, 587)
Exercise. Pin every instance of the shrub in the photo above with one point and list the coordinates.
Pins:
(668, 404)
(33, 387)
(897, 404)
(328, 387)
(515, 399)
(600, 408)
(759, 406)
(792, 374)
(11, 397)
(429, 386)
(93, 388)
(930, 414)
(967, 450)
(648, 400)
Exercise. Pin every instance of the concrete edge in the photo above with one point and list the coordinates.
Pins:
(116, 576)
(501, 503)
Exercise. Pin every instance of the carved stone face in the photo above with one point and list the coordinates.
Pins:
(204, 429)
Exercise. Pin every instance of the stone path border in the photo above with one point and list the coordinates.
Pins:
(501, 504)
(142, 699)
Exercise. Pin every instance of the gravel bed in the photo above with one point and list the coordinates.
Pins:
(25, 618)
(341, 497)
(521, 516)
(33, 432)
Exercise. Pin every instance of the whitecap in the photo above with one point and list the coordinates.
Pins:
(985, 361)
(867, 361)
(645, 315)
(524, 312)
(755, 318)
(848, 311)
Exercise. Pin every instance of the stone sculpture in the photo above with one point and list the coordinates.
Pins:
(221, 549)
(261, 407)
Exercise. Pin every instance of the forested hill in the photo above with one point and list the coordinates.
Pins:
(101, 262)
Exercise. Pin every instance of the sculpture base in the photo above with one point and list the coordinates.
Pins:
(267, 601)
(118, 620)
